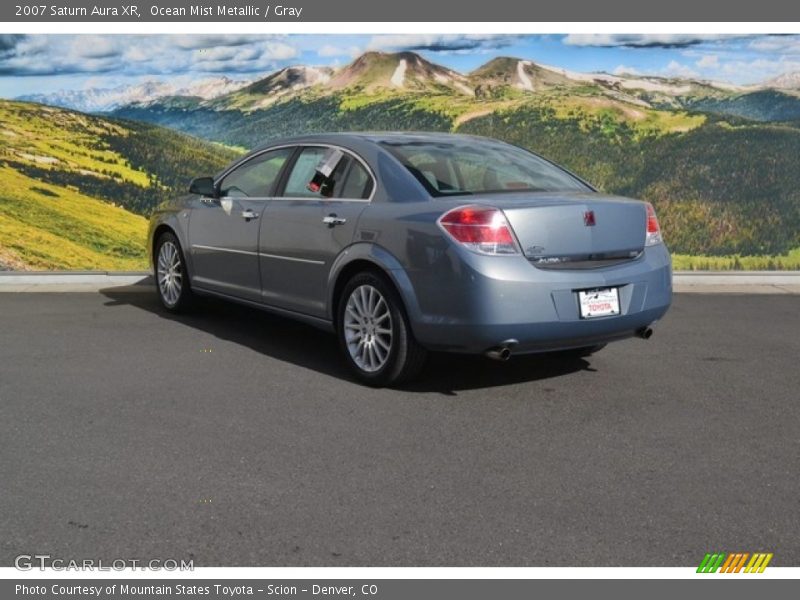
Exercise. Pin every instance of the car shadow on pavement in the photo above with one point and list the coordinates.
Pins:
(305, 346)
(449, 373)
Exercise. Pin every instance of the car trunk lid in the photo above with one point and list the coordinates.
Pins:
(575, 230)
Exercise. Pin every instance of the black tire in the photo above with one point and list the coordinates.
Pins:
(582, 352)
(405, 356)
(173, 302)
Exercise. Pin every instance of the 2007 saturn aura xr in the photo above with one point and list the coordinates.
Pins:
(403, 243)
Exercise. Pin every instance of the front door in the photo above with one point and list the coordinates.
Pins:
(223, 231)
(303, 231)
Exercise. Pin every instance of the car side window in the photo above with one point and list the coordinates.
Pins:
(304, 169)
(359, 183)
(256, 177)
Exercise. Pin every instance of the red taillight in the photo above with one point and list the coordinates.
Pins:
(652, 220)
(482, 229)
(653, 232)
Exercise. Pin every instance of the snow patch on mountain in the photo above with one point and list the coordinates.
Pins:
(399, 75)
(524, 81)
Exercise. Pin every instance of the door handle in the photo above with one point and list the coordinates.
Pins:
(249, 214)
(333, 220)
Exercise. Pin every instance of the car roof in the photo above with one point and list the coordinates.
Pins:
(375, 137)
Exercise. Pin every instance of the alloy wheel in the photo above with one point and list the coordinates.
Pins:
(170, 273)
(368, 328)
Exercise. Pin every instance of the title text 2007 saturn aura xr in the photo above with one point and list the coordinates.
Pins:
(403, 243)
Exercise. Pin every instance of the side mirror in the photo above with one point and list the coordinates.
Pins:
(203, 186)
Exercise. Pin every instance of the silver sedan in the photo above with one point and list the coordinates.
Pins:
(402, 243)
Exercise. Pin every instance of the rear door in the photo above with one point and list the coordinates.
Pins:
(303, 230)
(223, 231)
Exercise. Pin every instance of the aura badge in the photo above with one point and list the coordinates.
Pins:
(735, 562)
(588, 218)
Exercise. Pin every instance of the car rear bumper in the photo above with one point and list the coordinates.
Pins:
(489, 300)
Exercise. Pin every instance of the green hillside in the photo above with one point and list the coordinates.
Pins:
(761, 105)
(77, 188)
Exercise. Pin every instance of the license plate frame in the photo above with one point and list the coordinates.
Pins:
(598, 302)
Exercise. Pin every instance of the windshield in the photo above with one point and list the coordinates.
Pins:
(455, 168)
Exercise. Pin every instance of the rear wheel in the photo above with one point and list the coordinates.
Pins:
(374, 332)
(172, 281)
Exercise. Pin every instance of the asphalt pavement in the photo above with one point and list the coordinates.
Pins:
(237, 438)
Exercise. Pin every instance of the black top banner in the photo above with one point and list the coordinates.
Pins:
(407, 11)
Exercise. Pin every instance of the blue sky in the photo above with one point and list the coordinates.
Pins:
(46, 63)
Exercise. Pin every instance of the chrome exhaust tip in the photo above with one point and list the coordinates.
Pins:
(645, 333)
(501, 352)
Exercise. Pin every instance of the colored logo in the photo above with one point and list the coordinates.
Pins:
(588, 218)
(735, 562)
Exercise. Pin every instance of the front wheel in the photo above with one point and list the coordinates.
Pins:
(374, 332)
(172, 282)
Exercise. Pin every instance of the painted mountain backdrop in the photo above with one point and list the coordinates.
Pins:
(718, 161)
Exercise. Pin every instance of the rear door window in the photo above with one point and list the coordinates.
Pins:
(304, 169)
(359, 184)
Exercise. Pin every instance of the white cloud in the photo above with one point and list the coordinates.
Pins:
(676, 69)
(777, 44)
(440, 42)
(95, 46)
(624, 70)
(138, 53)
(709, 61)
(760, 69)
(278, 51)
(668, 40)
(329, 50)
(194, 42)
(219, 53)
(146, 55)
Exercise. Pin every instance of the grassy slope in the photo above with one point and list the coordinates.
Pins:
(46, 226)
(785, 262)
(67, 179)
(43, 226)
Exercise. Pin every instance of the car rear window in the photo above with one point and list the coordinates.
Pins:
(461, 168)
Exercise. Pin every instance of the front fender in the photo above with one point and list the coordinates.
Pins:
(386, 262)
(178, 222)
